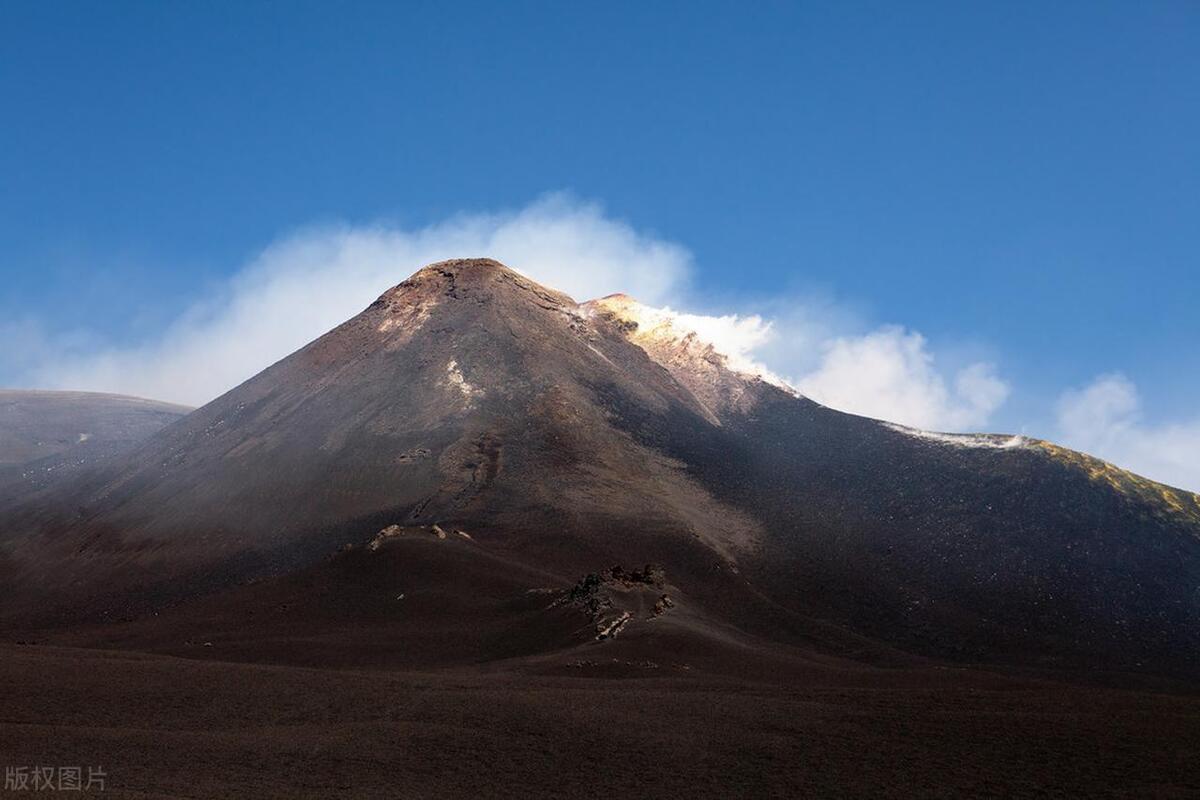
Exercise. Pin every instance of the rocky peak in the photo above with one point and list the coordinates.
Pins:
(718, 381)
(479, 279)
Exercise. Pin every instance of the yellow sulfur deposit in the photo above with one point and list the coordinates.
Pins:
(1158, 495)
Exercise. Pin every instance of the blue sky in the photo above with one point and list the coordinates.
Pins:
(1020, 183)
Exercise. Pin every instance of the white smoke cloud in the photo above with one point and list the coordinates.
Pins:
(737, 337)
(307, 283)
(1105, 419)
(890, 374)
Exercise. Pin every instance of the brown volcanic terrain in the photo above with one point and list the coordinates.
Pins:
(172, 727)
(45, 434)
(386, 566)
(36, 425)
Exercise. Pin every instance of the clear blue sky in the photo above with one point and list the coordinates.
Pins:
(1021, 174)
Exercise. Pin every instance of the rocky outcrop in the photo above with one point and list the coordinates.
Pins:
(396, 531)
(616, 597)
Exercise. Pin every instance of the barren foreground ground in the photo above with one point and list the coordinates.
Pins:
(164, 726)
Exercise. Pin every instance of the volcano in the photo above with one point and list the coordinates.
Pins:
(578, 436)
(479, 472)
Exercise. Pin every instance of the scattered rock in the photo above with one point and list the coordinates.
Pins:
(650, 575)
(391, 531)
(409, 456)
(612, 628)
(587, 595)
(610, 598)
(615, 662)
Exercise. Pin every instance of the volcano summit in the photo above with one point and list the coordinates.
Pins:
(479, 476)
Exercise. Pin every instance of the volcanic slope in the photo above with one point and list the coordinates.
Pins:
(497, 416)
(40, 424)
(45, 435)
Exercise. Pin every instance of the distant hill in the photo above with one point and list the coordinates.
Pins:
(38, 424)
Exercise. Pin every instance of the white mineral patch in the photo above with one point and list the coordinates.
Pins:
(990, 441)
(407, 319)
(455, 377)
